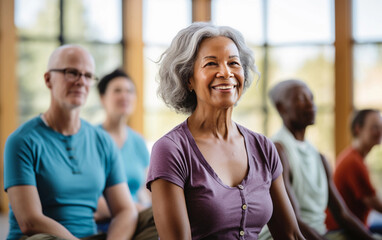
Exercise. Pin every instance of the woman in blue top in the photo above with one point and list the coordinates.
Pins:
(118, 97)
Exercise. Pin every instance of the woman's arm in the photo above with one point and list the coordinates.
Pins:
(341, 213)
(170, 212)
(124, 215)
(306, 230)
(373, 202)
(26, 206)
(283, 224)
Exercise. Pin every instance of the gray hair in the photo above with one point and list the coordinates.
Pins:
(279, 92)
(177, 63)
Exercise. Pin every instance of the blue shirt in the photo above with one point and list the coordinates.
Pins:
(136, 159)
(69, 172)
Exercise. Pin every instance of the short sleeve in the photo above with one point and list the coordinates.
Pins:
(275, 165)
(167, 162)
(18, 162)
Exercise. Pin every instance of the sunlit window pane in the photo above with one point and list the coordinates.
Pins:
(313, 65)
(252, 118)
(367, 76)
(85, 21)
(160, 25)
(243, 15)
(300, 21)
(93, 20)
(159, 119)
(163, 19)
(33, 94)
(374, 163)
(37, 18)
(249, 110)
(367, 24)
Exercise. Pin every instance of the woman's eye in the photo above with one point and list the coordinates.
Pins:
(235, 63)
(210, 64)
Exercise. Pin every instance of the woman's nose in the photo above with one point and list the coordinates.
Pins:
(224, 71)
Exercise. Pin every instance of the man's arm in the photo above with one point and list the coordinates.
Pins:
(306, 230)
(124, 215)
(26, 206)
(341, 213)
(283, 224)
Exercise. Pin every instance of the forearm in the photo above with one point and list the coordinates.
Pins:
(354, 228)
(308, 232)
(123, 225)
(43, 224)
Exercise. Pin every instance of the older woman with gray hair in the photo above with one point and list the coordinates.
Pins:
(210, 177)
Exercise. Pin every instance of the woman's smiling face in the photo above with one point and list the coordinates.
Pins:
(218, 78)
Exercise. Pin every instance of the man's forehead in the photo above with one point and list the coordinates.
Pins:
(70, 55)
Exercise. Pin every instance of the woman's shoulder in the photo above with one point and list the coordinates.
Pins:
(134, 135)
(177, 135)
(254, 136)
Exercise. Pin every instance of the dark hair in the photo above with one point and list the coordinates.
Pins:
(359, 119)
(105, 80)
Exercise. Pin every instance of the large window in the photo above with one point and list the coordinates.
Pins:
(43, 25)
(159, 28)
(280, 34)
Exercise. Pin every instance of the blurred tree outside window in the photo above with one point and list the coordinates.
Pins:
(43, 25)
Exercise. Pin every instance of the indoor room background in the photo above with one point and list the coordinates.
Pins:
(335, 46)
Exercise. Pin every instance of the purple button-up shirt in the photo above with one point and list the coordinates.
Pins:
(215, 210)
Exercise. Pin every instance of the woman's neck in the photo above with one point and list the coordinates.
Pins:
(115, 124)
(363, 149)
(216, 124)
(116, 127)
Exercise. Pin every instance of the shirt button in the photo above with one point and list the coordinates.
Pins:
(241, 187)
(244, 206)
(241, 233)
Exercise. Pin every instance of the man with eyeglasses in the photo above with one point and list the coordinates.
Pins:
(57, 165)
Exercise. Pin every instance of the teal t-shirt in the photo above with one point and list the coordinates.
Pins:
(69, 172)
(136, 159)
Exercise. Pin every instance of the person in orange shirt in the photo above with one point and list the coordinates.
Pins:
(351, 175)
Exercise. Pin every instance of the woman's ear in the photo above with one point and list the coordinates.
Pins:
(357, 129)
(189, 84)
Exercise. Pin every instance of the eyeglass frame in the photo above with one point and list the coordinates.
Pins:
(90, 79)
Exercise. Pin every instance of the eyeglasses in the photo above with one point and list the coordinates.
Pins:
(72, 75)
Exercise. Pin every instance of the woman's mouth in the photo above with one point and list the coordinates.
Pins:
(224, 87)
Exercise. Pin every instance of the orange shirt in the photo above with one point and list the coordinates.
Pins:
(352, 180)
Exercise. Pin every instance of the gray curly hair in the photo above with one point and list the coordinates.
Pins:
(177, 63)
